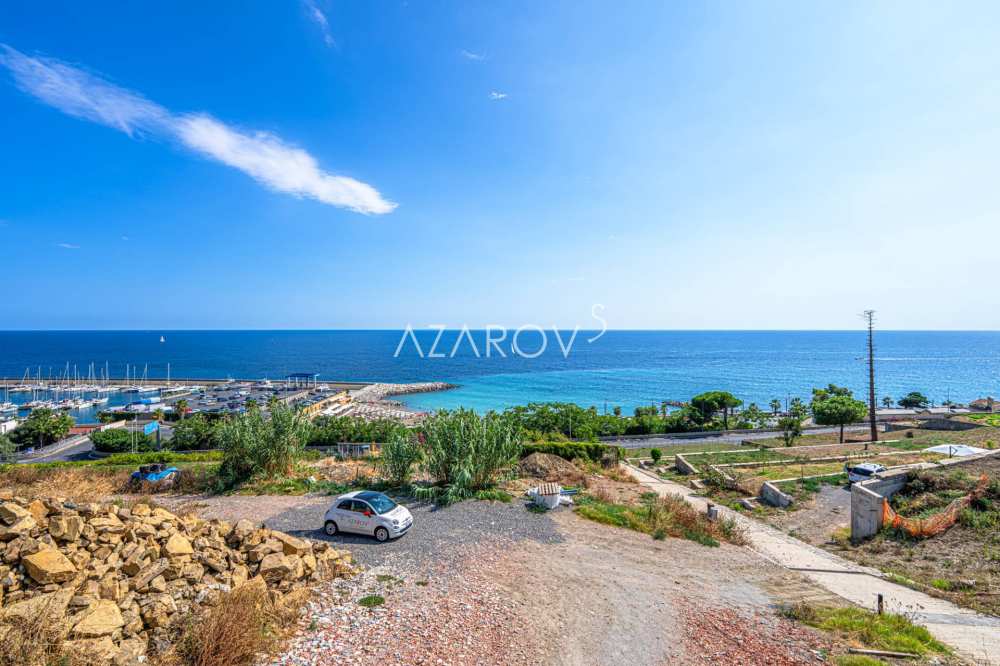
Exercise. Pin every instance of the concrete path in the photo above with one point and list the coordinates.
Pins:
(973, 635)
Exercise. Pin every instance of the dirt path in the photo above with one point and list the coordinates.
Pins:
(973, 635)
(828, 511)
(604, 595)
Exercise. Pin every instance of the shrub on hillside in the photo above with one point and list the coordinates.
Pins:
(120, 440)
(252, 445)
(398, 457)
(195, 433)
(465, 452)
(592, 451)
(332, 430)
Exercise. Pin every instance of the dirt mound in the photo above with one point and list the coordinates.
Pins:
(550, 468)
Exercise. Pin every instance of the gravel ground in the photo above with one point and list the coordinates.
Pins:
(491, 583)
(435, 531)
(442, 604)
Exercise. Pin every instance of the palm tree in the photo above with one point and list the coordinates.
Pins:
(775, 406)
(887, 402)
(181, 407)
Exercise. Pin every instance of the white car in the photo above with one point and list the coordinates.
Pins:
(367, 512)
(862, 472)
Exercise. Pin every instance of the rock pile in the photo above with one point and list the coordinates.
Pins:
(121, 581)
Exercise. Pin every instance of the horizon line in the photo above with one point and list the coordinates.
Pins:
(548, 328)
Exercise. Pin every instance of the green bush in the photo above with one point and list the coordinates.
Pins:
(120, 440)
(593, 451)
(136, 459)
(655, 454)
(42, 427)
(194, 433)
(332, 430)
(252, 445)
(398, 457)
(465, 452)
(8, 450)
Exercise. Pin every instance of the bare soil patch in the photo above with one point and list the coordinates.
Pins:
(819, 518)
(604, 595)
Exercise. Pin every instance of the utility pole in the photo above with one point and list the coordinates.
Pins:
(870, 318)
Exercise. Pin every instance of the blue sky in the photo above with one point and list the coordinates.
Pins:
(319, 165)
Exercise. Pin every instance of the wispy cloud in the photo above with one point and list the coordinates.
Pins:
(261, 155)
(68, 246)
(319, 18)
(495, 95)
(469, 55)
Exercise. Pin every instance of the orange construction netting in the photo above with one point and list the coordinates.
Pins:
(939, 522)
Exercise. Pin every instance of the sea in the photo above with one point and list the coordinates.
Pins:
(605, 370)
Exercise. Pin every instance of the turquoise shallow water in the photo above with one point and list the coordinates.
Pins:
(625, 368)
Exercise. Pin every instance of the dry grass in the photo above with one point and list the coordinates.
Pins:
(614, 472)
(93, 483)
(37, 640)
(661, 517)
(237, 631)
(30, 642)
(88, 484)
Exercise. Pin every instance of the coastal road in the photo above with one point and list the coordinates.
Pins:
(77, 448)
(734, 438)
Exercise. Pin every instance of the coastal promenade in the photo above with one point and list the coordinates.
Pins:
(973, 635)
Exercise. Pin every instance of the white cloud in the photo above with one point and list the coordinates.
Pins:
(279, 166)
(469, 55)
(80, 94)
(68, 246)
(494, 95)
(319, 18)
(261, 155)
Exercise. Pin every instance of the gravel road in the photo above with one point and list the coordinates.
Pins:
(435, 532)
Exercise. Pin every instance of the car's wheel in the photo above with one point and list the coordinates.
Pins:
(330, 528)
(381, 534)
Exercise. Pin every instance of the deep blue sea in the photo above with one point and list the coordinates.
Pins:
(625, 368)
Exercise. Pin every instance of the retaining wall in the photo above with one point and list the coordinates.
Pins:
(867, 496)
(771, 494)
(683, 466)
(866, 502)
